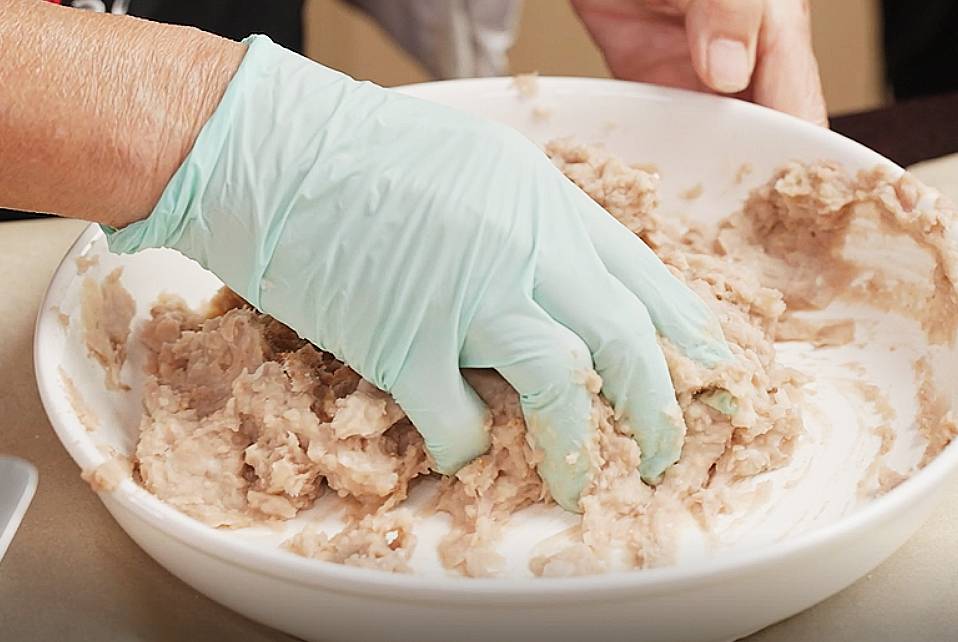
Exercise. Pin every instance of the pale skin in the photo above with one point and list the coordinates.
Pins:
(98, 111)
(128, 97)
(759, 50)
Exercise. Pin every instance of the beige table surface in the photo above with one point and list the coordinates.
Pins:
(72, 574)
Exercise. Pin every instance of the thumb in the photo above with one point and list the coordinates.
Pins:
(447, 412)
(723, 37)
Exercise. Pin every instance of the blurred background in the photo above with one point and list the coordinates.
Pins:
(888, 66)
(552, 41)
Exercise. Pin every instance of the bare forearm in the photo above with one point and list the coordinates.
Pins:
(98, 111)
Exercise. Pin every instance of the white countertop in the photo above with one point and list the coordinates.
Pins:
(72, 574)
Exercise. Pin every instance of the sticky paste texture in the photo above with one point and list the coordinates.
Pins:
(245, 422)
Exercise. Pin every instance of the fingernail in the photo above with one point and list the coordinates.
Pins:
(728, 65)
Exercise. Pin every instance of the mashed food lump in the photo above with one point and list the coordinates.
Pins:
(245, 422)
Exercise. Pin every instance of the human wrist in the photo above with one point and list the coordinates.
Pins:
(190, 89)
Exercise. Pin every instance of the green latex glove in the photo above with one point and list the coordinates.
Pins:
(411, 240)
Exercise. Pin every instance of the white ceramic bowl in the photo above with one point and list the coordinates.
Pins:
(692, 139)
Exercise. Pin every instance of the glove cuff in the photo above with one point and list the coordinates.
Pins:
(173, 213)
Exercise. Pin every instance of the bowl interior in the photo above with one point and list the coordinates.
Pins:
(695, 142)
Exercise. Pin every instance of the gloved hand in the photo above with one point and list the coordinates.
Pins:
(411, 240)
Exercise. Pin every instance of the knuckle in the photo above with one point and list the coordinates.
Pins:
(627, 339)
(732, 10)
(563, 360)
(573, 352)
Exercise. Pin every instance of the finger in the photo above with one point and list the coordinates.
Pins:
(676, 311)
(619, 332)
(549, 367)
(786, 75)
(723, 38)
(447, 412)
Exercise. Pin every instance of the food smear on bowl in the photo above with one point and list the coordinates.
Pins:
(106, 312)
(245, 423)
(526, 85)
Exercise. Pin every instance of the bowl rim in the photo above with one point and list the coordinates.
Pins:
(615, 586)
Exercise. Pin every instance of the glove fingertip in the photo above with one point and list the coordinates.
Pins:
(661, 442)
(563, 431)
(450, 416)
